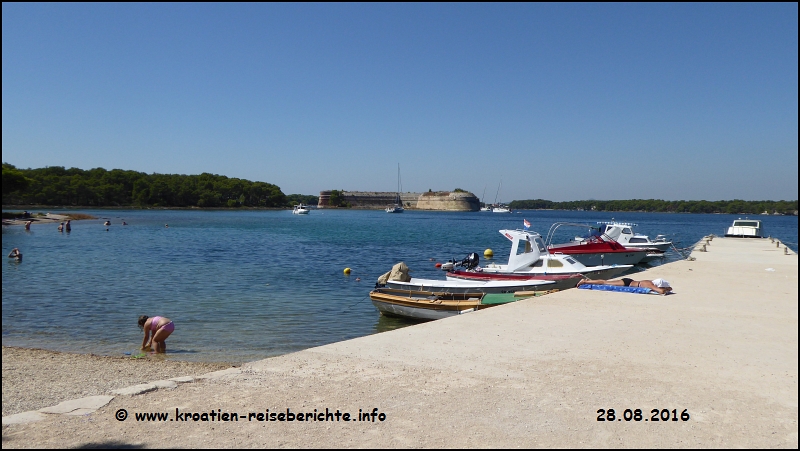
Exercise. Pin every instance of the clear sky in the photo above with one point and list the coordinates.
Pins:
(559, 101)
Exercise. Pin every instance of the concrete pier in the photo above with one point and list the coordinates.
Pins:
(722, 349)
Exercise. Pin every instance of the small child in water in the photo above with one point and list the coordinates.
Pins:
(15, 254)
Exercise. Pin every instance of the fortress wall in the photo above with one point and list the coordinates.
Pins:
(378, 200)
(435, 201)
(370, 200)
(448, 201)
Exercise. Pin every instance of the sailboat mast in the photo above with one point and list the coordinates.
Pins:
(398, 179)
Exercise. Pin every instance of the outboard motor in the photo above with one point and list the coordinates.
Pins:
(470, 262)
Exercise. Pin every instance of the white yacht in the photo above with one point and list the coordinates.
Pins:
(398, 203)
(301, 209)
(745, 228)
(499, 207)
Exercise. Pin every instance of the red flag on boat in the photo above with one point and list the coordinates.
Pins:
(526, 223)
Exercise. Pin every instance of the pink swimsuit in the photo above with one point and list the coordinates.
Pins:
(169, 327)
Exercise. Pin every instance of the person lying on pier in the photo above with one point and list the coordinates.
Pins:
(660, 286)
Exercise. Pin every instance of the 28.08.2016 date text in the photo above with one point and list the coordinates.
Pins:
(636, 415)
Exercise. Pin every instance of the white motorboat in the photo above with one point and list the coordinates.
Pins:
(471, 286)
(745, 228)
(597, 249)
(301, 209)
(530, 258)
(622, 233)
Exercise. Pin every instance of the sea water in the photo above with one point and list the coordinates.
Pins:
(246, 285)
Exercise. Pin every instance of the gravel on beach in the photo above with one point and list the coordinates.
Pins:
(37, 378)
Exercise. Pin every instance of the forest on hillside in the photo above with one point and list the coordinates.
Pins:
(98, 187)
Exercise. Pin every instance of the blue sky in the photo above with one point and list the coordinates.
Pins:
(559, 101)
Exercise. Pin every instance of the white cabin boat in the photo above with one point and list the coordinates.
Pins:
(745, 228)
(530, 258)
(622, 233)
(301, 209)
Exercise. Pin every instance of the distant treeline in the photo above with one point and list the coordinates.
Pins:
(98, 187)
(671, 206)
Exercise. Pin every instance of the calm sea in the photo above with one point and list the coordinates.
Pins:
(246, 285)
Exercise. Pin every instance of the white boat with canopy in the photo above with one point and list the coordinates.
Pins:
(529, 257)
(622, 233)
(745, 228)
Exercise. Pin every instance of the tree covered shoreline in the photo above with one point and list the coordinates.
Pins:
(97, 188)
(56, 186)
(735, 206)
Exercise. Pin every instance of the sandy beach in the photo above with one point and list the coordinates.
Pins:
(37, 378)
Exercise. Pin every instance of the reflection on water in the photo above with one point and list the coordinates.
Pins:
(386, 323)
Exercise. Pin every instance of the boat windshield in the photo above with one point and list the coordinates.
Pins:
(540, 244)
(745, 223)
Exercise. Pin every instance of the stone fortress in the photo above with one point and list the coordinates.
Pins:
(431, 201)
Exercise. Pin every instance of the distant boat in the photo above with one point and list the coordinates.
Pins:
(745, 228)
(483, 201)
(499, 207)
(301, 209)
(398, 203)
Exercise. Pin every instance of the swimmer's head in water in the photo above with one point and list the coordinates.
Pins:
(142, 320)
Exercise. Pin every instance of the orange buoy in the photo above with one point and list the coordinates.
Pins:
(438, 265)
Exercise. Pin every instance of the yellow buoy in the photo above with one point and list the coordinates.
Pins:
(488, 253)
(347, 271)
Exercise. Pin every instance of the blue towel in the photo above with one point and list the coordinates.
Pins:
(639, 290)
